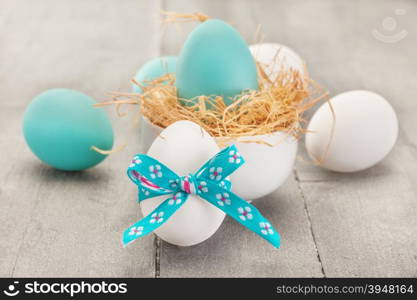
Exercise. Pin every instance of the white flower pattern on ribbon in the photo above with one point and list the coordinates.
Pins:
(157, 217)
(155, 171)
(173, 183)
(145, 192)
(234, 157)
(245, 213)
(216, 173)
(223, 199)
(176, 199)
(266, 228)
(136, 230)
(202, 187)
(135, 161)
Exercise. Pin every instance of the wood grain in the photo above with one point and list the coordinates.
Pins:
(234, 251)
(69, 223)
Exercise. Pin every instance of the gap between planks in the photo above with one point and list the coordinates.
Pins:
(297, 180)
(157, 244)
(158, 241)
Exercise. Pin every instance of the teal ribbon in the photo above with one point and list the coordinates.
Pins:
(210, 182)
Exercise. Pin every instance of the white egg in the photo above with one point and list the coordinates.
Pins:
(266, 166)
(365, 131)
(184, 147)
(275, 57)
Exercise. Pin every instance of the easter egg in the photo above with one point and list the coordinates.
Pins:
(215, 60)
(275, 57)
(266, 166)
(184, 147)
(60, 127)
(365, 131)
(153, 69)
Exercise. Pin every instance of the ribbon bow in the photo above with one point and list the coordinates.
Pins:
(210, 182)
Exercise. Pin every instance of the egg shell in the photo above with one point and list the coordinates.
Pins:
(153, 69)
(366, 129)
(275, 57)
(184, 147)
(266, 167)
(61, 125)
(215, 60)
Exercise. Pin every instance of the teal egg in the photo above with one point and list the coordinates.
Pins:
(153, 69)
(215, 60)
(61, 125)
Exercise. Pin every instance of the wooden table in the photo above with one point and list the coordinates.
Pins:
(69, 224)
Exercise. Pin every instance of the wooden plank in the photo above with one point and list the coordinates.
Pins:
(93, 46)
(365, 223)
(61, 223)
(234, 251)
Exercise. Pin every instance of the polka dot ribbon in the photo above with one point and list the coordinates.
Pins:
(210, 182)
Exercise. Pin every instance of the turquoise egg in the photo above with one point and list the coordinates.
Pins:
(61, 125)
(215, 60)
(153, 69)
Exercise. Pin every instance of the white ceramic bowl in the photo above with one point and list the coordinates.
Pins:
(266, 167)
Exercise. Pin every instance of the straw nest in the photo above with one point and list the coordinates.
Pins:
(278, 105)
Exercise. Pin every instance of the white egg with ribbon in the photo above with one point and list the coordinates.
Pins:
(185, 191)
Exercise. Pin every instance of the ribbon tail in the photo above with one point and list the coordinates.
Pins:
(243, 212)
(155, 219)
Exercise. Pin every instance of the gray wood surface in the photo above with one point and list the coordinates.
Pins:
(61, 223)
(69, 224)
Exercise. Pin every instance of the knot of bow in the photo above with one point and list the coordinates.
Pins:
(210, 182)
